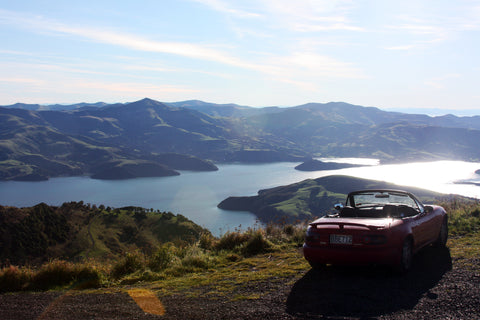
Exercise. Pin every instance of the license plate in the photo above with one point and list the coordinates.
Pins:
(340, 239)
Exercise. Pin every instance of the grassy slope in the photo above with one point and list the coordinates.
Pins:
(227, 267)
(288, 264)
(77, 231)
(311, 198)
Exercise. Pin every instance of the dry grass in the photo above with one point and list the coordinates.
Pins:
(222, 265)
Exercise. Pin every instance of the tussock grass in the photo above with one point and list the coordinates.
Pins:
(463, 217)
(231, 241)
(222, 264)
(167, 261)
(13, 278)
(53, 274)
(161, 258)
(464, 231)
(130, 263)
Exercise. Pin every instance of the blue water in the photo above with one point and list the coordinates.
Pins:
(196, 194)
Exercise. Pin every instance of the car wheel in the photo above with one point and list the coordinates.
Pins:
(443, 235)
(407, 257)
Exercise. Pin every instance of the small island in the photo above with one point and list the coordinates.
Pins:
(160, 165)
(129, 170)
(317, 165)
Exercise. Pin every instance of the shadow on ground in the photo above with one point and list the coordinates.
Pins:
(367, 292)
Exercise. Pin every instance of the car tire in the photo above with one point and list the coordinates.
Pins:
(441, 241)
(406, 257)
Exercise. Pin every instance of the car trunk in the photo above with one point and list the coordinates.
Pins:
(348, 232)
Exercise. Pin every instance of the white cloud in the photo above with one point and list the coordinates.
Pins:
(312, 16)
(298, 16)
(225, 7)
(22, 80)
(294, 65)
(145, 89)
(132, 41)
(404, 47)
(308, 65)
(441, 82)
(430, 25)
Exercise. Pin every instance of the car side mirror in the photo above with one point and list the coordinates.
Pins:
(428, 209)
(338, 207)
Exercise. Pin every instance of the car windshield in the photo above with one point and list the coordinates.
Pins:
(377, 198)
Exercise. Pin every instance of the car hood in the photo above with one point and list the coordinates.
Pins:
(373, 224)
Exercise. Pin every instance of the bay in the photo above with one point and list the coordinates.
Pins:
(196, 194)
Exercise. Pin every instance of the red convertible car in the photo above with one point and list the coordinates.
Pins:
(385, 227)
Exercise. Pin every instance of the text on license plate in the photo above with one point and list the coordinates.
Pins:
(340, 239)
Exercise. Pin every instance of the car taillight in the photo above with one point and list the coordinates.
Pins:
(311, 235)
(374, 239)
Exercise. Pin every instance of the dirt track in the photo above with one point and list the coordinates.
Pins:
(436, 288)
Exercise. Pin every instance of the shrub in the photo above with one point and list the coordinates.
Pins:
(231, 241)
(57, 273)
(13, 278)
(196, 258)
(130, 263)
(207, 241)
(275, 232)
(287, 233)
(88, 277)
(463, 217)
(257, 243)
(288, 229)
(162, 258)
(298, 235)
(53, 274)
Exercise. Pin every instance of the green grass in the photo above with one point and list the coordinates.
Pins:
(463, 217)
(465, 247)
(239, 252)
(219, 267)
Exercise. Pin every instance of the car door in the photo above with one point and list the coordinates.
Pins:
(432, 224)
(425, 228)
(419, 230)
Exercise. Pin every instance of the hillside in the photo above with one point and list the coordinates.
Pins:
(99, 139)
(36, 146)
(311, 198)
(76, 230)
(252, 274)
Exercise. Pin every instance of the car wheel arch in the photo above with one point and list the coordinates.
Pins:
(442, 238)
(410, 238)
(403, 265)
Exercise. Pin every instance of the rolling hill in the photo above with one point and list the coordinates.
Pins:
(147, 137)
(311, 198)
(76, 231)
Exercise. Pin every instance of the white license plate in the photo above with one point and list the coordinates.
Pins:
(340, 239)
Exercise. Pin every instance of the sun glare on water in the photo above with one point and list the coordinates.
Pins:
(440, 176)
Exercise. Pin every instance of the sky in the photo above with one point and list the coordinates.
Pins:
(398, 55)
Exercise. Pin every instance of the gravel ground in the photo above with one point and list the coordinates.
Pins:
(436, 288)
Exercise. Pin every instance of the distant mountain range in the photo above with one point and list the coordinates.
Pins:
(150, 138)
